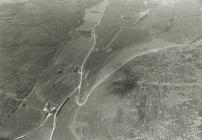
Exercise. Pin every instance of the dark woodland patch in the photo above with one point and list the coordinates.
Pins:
(127, 83)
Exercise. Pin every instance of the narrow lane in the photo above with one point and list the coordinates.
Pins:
(37, 128)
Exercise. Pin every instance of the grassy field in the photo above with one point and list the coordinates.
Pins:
(154, 96)
(32, 33)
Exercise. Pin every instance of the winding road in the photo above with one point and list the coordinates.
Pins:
(81, 72)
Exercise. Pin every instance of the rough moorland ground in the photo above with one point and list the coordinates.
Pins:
(31, 33)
